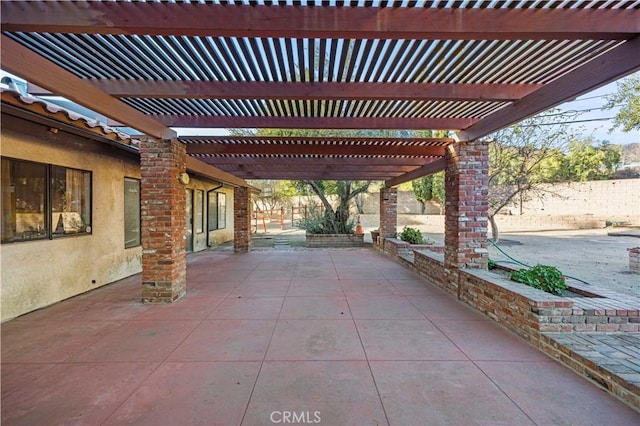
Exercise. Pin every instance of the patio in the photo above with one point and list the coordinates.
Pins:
(333, 337)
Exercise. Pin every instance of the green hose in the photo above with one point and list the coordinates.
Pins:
(529, 266)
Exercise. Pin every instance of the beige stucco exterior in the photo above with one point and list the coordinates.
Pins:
(217, 236)
(38, 273)
(41, 272)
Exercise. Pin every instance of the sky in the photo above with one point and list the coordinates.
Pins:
(594, 121)
(596, 125)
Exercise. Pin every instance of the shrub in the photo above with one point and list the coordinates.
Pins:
(491, 264)
(543, 277)
(319, 223)
(411, 235)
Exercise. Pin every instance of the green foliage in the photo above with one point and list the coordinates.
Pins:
(628, 94)
(543, 277)
(491, 264)
(587, 161)
(423, 188)
(429, 188)
(319, 223)
(411, 235)
(438, 188)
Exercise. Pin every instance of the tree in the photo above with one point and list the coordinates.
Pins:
(274, 193)
(336, 220)
(628, 95)
(429, 188)
(519, 158)
(588, 161)
(423, 190)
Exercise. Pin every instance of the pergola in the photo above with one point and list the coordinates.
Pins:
(470, 67)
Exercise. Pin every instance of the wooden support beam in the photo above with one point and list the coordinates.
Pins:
(602, 70)
(428, 169)
(202, 121)
(194, 19)
(312, 149)
(313, 90)
(207, 170)
(219, 161)
(21, 61)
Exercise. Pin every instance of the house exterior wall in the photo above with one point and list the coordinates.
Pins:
(41, 272)
(218, 236)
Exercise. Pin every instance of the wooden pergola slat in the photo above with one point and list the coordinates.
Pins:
(608, 67)
(19, 60)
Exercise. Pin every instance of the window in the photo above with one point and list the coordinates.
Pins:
(217, 210)
(199, 211)
(70, 201)
(44, 201)
(131, 212)
(222, 210)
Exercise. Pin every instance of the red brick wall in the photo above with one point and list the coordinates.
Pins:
(388, 212)
(241, 220)
(163, 214)
(335, 240)
(466, 205)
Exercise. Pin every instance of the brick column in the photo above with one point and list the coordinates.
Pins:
(163, 214)
(388, 212)
(466, 206)
(241, 220)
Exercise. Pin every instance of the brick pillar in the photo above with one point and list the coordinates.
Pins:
(241, 220)
(466, 206)
(388, 212)
(163, 214)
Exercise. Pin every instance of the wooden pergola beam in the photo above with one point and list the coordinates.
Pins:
(312, 91)
(610, 66)
(312, 161)
(428, 169)
(191, 19)
(19, 60)
(337, 166)
(333, 175)
(312, 149)
(253, 122)
(207, 170)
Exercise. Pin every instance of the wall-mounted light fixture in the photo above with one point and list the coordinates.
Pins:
(183, 178)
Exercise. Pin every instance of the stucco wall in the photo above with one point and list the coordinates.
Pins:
(614, 200)
(38, 273)
(218, 236)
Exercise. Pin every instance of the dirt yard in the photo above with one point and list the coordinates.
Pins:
(590, 255)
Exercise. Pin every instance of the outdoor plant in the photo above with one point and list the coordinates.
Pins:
(319, 223)
(491, 264)
(411, 235)
(543, 277)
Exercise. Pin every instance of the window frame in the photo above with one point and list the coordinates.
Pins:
(215, 220)
(198, 211)
(48, 207)
(138, 243)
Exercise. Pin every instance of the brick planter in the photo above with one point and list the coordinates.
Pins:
(399, 248)
(335, 240)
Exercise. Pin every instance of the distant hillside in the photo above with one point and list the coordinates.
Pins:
(631, 153)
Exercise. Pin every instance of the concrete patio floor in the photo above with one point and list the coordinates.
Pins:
(331, 337)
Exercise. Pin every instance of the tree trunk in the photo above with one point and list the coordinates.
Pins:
(359, 203)
(423, 206)
(494, 228)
